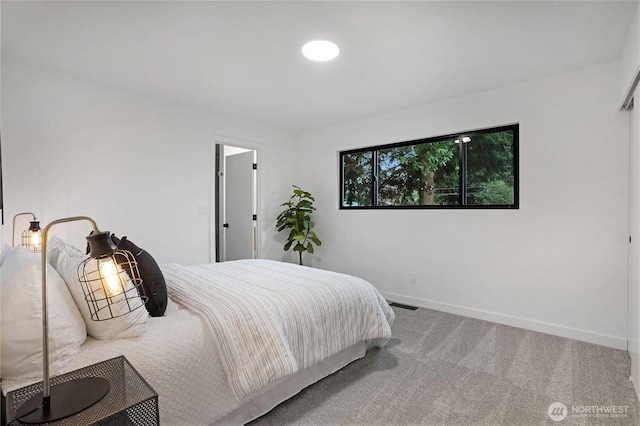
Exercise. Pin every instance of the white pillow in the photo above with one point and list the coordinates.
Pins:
(5, 250)
(133, 324)
(21, 298)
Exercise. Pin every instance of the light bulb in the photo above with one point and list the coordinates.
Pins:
(36, 239)
(110, 275)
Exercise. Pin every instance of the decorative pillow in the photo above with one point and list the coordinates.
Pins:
(21, 294)
(131, 324)
(153, 281)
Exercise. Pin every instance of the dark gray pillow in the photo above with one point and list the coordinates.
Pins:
(153, 281)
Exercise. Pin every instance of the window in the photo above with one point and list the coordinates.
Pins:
(477, 169)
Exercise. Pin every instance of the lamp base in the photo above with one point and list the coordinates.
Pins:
(66, 399)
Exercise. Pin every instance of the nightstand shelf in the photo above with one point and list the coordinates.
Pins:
(130, 400)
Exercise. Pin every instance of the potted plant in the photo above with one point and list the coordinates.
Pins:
(297, 218)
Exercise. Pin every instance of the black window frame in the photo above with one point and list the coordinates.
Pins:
(515, 128)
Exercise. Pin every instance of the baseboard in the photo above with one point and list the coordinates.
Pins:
(542, 327)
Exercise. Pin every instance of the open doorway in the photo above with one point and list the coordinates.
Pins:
(236, 219)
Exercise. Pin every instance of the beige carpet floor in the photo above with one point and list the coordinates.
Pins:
(444, 369)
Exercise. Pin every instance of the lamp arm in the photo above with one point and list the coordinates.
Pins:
(46, 400)
(13, 235)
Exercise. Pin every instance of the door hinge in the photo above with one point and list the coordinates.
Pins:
(255, 166)
(255, 217)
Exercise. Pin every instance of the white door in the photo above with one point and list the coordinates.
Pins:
(633, 310)
(239, 195)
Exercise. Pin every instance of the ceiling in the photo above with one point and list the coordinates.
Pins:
(244, 57)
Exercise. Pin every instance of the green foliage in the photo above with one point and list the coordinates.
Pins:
(406, 173)
(490, 157)
(357, 172)
(496, 192)
(428, 173)
(297, 219)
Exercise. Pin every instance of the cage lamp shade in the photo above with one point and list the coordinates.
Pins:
(110, 279)
(32, 238)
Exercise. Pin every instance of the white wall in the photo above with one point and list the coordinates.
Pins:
(558, 264)
(139, 166)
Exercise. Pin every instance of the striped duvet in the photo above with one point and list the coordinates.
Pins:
(271, 319)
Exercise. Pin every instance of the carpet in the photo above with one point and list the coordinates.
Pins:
(445, 369)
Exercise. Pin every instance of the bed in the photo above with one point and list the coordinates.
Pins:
(237, 338)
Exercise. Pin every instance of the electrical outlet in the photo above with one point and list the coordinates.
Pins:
(413, 278)
(203, 209)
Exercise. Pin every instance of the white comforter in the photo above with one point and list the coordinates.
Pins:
(271, 319)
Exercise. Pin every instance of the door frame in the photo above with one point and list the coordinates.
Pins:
(213, 217)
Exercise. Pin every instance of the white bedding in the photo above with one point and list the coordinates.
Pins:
(178, 356)
(273, 319)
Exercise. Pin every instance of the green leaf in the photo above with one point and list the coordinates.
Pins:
(297, 218)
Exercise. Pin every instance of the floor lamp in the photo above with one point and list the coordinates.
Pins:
(106, 286)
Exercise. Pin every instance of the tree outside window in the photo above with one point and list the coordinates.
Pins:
(471, 169)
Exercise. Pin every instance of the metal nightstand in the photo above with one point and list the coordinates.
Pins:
(130, 400)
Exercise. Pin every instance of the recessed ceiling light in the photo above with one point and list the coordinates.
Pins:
(320, 50)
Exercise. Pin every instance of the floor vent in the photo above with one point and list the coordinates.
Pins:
(400, 305)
